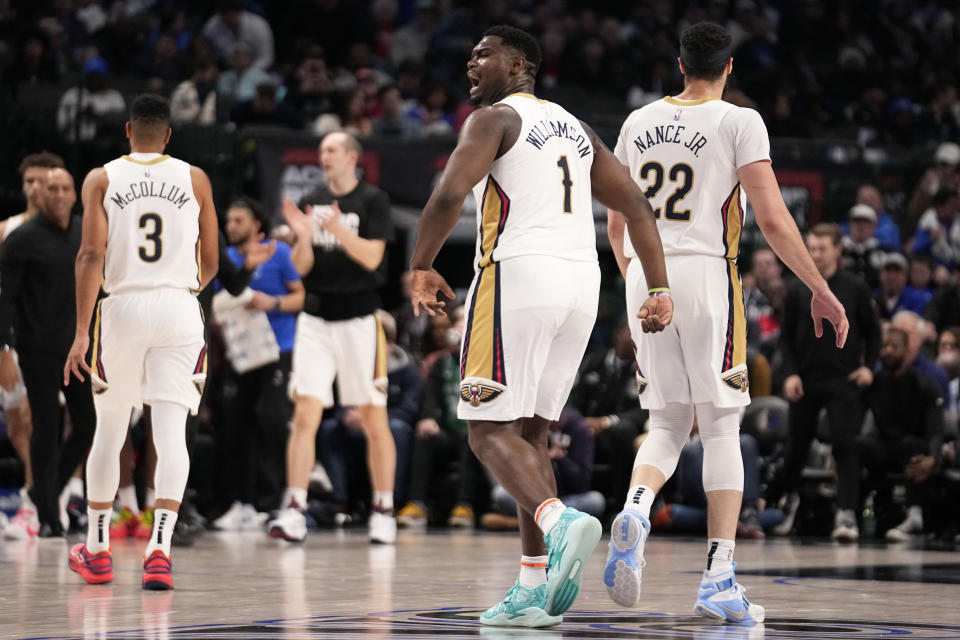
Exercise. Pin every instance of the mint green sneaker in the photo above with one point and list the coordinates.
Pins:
(569, 544)
(521, 608)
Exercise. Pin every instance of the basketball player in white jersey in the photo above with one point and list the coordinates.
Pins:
(696, 155)
(13, 394)
(150, 232)
(533, 302)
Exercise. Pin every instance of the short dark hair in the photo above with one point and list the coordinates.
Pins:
(256, 212)
(702, 40)
(520, 40)
(44, 160)
(150, 115)
(828, 230)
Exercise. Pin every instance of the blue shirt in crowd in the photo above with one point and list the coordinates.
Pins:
(271, 278)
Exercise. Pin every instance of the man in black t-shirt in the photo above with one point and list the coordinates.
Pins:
(342, 232)
(820, 377)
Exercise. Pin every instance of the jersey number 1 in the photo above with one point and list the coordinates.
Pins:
(153, 236)
(566, 182)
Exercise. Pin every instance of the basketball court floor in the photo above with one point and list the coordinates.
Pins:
(433, 585)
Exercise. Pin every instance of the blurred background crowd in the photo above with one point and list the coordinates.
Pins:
(874, 78)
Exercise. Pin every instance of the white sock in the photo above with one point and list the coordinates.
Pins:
(719, 556)
(98, 529)
(533, 571)
(548, 514)
(383, 500)
(297, 496)
(128, 498)
(915, 514)
(149, 499)
(163, 522)
(640, 498)
(25, 500)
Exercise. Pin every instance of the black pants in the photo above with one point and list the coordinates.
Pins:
(252, 437)
(844, 404)
(432, 456)
(53, 462)
(881, 457)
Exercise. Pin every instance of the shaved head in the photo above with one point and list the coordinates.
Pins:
(345, 140)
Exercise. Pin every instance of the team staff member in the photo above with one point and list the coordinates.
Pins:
(257, 405)
(819, 376)
(33, 173)
(37, 317)
(342, 233)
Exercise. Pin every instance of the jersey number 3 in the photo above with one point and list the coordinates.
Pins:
(680, 174)
(151, 253)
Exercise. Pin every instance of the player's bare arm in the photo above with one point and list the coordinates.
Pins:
(89, 269)
(488, 133)
(302, 224)
(615, 229)
(209, 230)
(367, 252)
(780, 230)
(613, 187)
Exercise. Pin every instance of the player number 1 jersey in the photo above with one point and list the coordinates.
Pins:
(153, 236)
(685, 155)
(536, 199)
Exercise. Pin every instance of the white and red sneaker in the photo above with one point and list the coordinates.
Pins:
(24, 526)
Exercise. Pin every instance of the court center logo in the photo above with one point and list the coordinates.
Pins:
(477, 393)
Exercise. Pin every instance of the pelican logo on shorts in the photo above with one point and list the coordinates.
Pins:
(199, 384)
(738, 380)
(641, 386)
(476, 393)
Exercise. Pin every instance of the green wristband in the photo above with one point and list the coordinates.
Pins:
(659, 290)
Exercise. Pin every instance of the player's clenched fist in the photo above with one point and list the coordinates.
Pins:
(656, 313)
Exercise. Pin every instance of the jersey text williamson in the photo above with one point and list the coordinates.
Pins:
(546, 129)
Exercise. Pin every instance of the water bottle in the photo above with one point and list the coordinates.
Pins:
(868, 524)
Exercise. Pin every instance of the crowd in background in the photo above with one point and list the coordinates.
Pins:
(876, 72)
(879, 72)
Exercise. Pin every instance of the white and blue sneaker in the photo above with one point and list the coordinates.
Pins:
(622, 573)
(721, 598)
(569, 543)
(521, 608)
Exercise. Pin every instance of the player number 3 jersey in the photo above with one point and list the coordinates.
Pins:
(153, 236)
(536, 199)
(685, 155)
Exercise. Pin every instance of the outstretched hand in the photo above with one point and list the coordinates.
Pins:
(825, 306)
(655, 313)
(424, 286)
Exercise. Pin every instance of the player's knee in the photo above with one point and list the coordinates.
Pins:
(479, 441)
(306, 415)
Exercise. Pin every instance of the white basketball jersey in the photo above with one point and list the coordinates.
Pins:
(685, 155)
(153, 237)
(536, 200)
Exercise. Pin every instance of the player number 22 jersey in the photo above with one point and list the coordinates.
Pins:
(153, 236)
(536, 199)
(685, 155)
